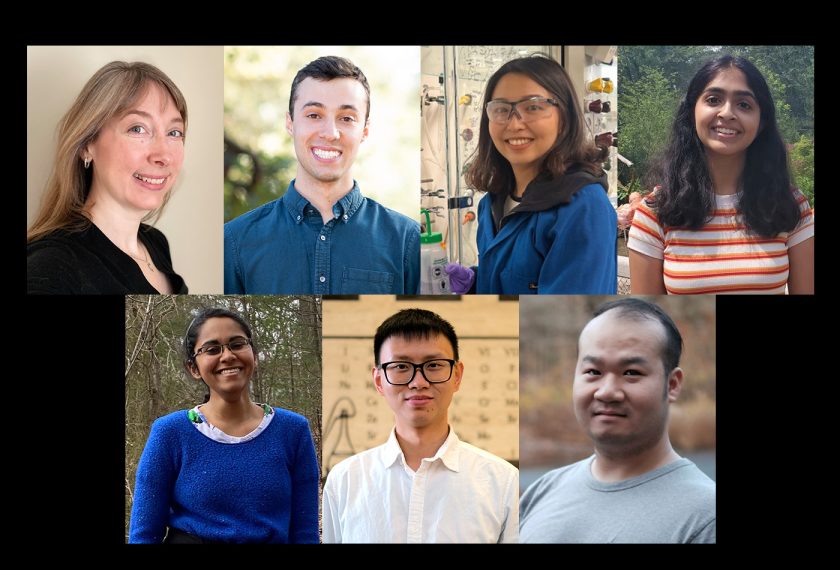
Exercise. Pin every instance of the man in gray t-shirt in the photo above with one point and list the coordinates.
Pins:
(635, 488)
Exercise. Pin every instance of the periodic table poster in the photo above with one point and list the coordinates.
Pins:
(484, 412)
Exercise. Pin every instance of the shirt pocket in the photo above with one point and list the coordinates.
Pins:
(514, 283)
(364, 282)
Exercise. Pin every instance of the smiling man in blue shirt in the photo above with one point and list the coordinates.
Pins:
(323, 236)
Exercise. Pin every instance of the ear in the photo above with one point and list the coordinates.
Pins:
(377, 380)
(289, 123)
(194, 370)
(675, 380)
(457, 373)
(365, 131)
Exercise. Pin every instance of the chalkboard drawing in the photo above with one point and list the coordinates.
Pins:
(339, 419)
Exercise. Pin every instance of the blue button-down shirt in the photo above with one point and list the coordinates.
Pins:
(285, 248)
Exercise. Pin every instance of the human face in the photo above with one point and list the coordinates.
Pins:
(329, 125)
(621, 391)
(137, 156)
(226, 374)
(418, 404)
(727, 116)
(524, 145)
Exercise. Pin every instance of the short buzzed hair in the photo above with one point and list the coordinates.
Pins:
(636, 310)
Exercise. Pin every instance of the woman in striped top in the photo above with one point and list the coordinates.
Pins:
(726, 219)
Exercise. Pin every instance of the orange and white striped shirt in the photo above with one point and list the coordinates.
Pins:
(721, 257)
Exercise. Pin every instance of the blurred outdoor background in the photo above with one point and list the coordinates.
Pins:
(549, 435)
(653, 79)
(287, 336)
(259, 153)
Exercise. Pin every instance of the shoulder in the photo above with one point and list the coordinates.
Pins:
(592, 194)
(54, 264)
(174, 421)
(485, 460)
(389, 216)
(555, 478)
(155, 236)
(256, 217)
(694, 481)
(289, 418)
(362, 462)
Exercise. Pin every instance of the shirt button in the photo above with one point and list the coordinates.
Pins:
(323, 238)
(298, 218)
(345, 217)
(322, 279)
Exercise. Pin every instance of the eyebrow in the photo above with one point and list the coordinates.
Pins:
(523, 98)
(629, 361)
(216, 341)
(322, 106)
(405, 358)
(146, 115)
(740, 93)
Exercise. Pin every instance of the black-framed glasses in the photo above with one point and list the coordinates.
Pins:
(401, 372)
(527, 109)
(236, 345)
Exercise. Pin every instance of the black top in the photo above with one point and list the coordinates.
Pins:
(88, 263)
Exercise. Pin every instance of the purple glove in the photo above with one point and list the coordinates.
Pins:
(461, 278)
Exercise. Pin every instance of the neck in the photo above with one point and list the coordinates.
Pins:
(613, 465)
(323, 195)
(420, 443)
(726, 172)
(229, 411)
(523, 176)
(117, 223)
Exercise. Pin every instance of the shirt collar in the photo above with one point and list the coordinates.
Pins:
(343, 210)
(448, 453)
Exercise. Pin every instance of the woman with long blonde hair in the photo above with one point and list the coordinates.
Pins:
(120, 150)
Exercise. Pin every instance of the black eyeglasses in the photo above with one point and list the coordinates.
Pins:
(400, 372)
(236, 345)
(527, 109)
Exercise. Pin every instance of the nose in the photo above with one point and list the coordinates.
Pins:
(330, 131)
(514, 114)
(419, 381)
(227, 353)
(726, 111)
(610, 389)
(159, 151)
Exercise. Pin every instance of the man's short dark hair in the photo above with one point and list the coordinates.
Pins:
(636, 310)
(414, 324)
(327, 68)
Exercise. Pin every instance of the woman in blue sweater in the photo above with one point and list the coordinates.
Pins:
(546, 224)
(229, 470)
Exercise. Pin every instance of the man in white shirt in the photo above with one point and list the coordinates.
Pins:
(423, 485)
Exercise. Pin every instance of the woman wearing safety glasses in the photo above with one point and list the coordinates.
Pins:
(229, 470)
(546, 224)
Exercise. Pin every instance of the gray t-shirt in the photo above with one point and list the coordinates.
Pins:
(672, 504)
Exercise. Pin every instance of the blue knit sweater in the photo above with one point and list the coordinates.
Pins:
(263, 490)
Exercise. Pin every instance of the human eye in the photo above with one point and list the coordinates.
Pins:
(177, 133)
(238, 344)
(745, 105)
(591, 372)
(137, 130)
(434, 365)
(712, 100)
(212, 350)
(348, 119)
(632, 372)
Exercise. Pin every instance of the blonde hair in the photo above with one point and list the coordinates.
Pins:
(112, 90)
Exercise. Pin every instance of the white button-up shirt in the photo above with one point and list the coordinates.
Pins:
(462, 494)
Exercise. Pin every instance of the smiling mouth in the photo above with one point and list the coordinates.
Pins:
(151, 180)
(518, 142)
(229, 371)
(324, 154)
(725, 131)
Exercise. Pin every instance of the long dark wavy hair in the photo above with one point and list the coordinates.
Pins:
(687, 198)
(489, 171)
